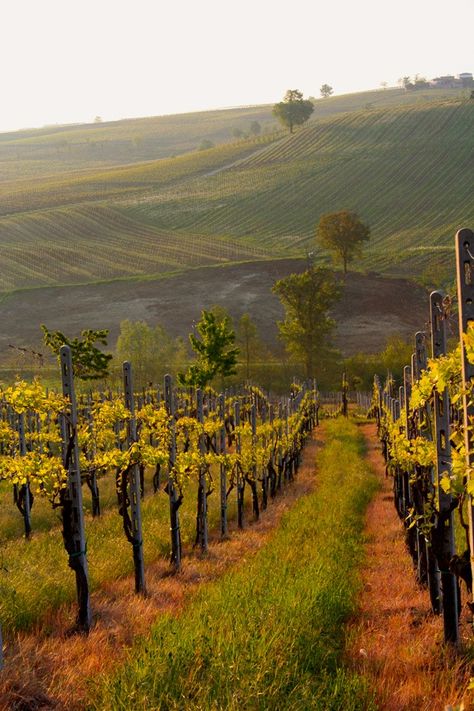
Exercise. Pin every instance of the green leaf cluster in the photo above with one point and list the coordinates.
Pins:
(89, 362)
(216, 354)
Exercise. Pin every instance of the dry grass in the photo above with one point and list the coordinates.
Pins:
(48, 669)
(396, 642)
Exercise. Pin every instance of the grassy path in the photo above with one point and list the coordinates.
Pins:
(33, 674)
(396, 643)
(270, 633)
(259, 623)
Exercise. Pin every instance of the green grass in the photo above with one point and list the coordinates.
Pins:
(270, 634)
(34, 575)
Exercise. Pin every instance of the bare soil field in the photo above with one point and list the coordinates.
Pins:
(372, 307)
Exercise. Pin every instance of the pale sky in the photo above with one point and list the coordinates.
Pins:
(66, 62)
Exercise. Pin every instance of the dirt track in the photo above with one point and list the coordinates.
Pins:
(395, 641)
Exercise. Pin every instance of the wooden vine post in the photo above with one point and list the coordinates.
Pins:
(71, 497)
(24, 494)
(427, 479)
(465, 281)
(202, 532)
(413, 535)
(221, 446)
(240, 482)
(174, 498)
(135, 534)
(443, 534)
(252, 479)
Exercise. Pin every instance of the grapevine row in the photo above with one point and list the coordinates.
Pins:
(425, 427)
(52, 444)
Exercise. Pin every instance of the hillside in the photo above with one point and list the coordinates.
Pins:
(371, 309)
(247, 208)
(406, 169)
(61, 149)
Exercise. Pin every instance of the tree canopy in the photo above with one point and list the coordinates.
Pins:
(89, 362)
(307, 328)
(326, 91)
(343, 234)
(151, 350)
(214, 349)
(293, 110)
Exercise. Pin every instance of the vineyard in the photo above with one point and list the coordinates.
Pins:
(62, 149)
(425, 427)
(264, 193)
(54, 247)
(183, 548)
(372, 161)
(188, 446)
(106, 483)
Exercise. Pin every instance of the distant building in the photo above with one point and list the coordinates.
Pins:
(463, 80)
(446, 82)
(467, 79)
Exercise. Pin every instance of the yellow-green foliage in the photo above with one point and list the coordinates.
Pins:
(441, 373)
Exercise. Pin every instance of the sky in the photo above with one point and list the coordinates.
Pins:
(67, 62)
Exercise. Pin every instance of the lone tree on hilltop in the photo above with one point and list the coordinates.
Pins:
(343, 234)
(293, 110)
(326, 91)
(307, 328)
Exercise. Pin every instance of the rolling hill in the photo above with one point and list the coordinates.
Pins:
(403, 161)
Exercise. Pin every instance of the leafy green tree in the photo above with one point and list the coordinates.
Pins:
(89, 362)
(396, 355)
(249, 343)
(342, 233)
(255, 128)
(293, 110)
(151, 350)
(216, 354)
(326, 91)
(307, 328)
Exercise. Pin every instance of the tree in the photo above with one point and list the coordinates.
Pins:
(151, 350)
(250, 345)
(343, 234)
(214, 350)
(237, 132)
(307, 328)
(255, 128)
(326, 91)
(293, 110)
(89, 363)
